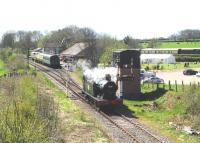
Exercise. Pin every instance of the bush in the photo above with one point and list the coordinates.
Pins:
(147, 68)
(192, 103)
(26, 114)
(33, 72)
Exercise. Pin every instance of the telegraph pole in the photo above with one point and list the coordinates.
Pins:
(28, 54)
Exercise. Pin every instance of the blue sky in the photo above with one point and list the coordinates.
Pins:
(118, 18)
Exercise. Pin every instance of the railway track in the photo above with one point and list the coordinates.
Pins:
(134, 131)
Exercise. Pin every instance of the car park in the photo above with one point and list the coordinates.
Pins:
(190, 72)
(153, 79)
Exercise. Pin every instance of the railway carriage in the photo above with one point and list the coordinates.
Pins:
(47, 59)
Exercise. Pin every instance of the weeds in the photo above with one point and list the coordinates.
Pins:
(26, 115)
(191, 100)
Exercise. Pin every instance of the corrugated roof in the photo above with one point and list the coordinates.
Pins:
(75, 49)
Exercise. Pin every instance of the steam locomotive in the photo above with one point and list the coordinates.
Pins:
(94, 92)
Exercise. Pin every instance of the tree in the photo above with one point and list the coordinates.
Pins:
(132, 43)
(186, 35)
(106, 57)
(89, 37)
(8, 40)
(153, 43)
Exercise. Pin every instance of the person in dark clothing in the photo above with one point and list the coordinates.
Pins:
(109, 89)
(96, 89)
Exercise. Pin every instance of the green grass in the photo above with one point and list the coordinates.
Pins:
(180, 45)
(170, 108)
(175, 45)
(178, 65)
(77, 75)
(77, 121)
(2, 68)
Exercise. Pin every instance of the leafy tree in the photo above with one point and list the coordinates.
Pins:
(153, 43)
(106, 57)
(26, 40)
(132, 43)
(5, 54)
(186, 35)
(8, 40)
(89, 37)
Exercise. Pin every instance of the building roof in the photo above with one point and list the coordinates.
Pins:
(51, 45)
(75, 49)
(38, 50)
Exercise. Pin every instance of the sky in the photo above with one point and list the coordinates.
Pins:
(118, 18)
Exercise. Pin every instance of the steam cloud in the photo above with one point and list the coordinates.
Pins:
(98, 74)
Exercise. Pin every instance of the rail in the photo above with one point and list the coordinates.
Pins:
(77, 91)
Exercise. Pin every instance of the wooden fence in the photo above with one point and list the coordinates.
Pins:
(170, 85)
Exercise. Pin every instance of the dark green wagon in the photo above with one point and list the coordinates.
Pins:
(47, 59)
(51, 60)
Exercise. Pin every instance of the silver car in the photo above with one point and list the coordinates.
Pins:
(153, 80)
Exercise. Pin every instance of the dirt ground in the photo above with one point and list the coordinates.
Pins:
(177, 75)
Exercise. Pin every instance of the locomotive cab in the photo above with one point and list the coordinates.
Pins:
(109, 89)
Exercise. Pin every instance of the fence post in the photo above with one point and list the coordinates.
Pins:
(190, 84)
(182, 86)
(163, 85)
(176, 85)
(157, 86)
(198, 83)
(169, 85)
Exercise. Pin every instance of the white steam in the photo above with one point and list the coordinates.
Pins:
(98, 74)
(84, 64)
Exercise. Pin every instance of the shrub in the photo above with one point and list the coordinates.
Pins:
(26, 114)
(192, 103)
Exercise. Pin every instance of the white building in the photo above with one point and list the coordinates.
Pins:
(157, 58)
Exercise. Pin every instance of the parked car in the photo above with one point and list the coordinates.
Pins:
(198, 74)
(142, 76)
(153, 79)
(190, 72)
(146, 73)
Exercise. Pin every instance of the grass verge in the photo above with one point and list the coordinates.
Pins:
(77, 125)
(158, 110)
(2, 68)
(170, 108)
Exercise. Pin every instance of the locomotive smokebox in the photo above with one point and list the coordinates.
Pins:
(128, 63)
